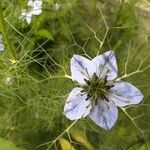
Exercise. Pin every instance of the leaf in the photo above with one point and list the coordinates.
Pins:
(65, 144)
(44, 33)
(8, 145)
(79, 136)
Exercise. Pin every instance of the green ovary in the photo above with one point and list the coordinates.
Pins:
(95, 88)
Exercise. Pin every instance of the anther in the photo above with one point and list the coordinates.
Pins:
(96, 102)
(110, 86)
(88, 106)
(104, 97)
(95, 77)
(105, 79)
(88, 97)
(83, 91)
(87, 81)
(107, 70)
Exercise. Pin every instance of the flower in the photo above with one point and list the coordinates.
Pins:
(98, 93)
(35, 8)
(2, 46)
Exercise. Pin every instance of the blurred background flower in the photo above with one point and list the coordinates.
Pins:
(34, 8)
(2, 46)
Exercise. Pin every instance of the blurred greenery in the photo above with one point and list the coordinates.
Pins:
(7, 145)
(35, 84)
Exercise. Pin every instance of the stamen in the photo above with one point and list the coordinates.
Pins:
(110, 86)
(105, 79)
(100, 66)
(81, 94)
(88, 106)
(87, 81)
(82, 91)
(104, 97)
(107, 71)
(95, 77)
(88, 97)
(96, 102)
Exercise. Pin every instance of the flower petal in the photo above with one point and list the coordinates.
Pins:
(36, 11)
(123, 94)
(2, 47)
(81, 68)
(104, 114)
(76, 106)
(37, 7)
(28, 17)
(104, 62)
(37, 4)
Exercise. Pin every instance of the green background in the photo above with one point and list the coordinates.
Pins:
(32, 101)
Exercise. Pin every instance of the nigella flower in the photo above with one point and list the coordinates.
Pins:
(34, 8)
(2, 46)
(98, 93)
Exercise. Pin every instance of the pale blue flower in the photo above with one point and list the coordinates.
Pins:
(2, 46)
(35, 8)
(98, 93)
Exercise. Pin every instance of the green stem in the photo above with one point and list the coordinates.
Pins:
(6, 37)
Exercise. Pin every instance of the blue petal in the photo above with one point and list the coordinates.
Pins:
(76, 106)
(2, 47)
(123, 94)
(37, 4)
(37, 7)
(81, 68)
(104, 62)
(104, 114)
